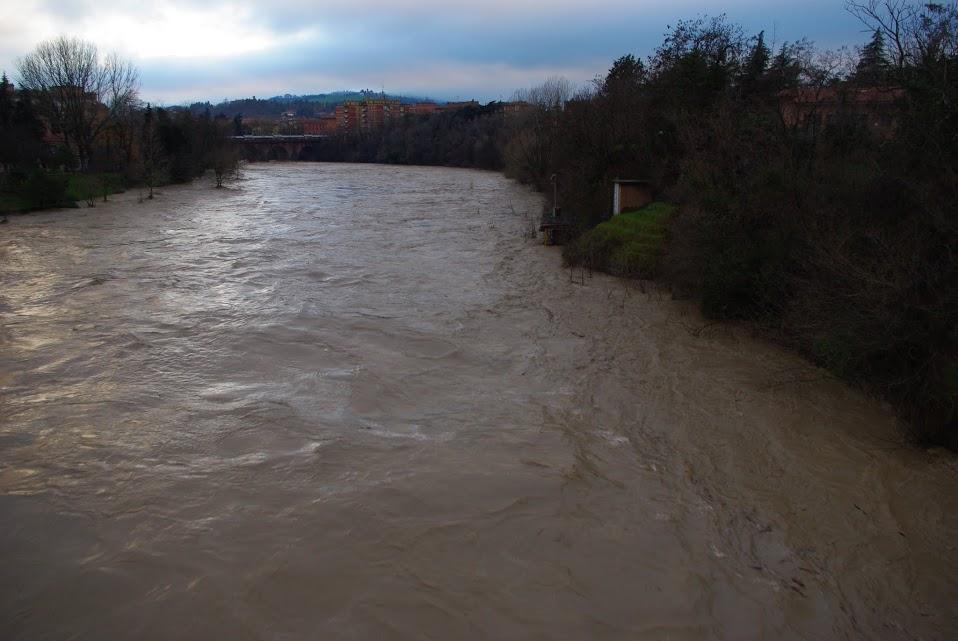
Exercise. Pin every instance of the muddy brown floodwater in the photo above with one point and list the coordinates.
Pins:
(354, 402)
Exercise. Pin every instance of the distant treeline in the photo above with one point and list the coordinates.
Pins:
(816, 192)
(467, 137)
(303, 106)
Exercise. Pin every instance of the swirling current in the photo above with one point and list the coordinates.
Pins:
(357, 402)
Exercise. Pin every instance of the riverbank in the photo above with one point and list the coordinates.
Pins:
(722, 268)
(52, 190)
(75, 190)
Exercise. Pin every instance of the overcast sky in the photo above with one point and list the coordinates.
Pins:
(191, 50)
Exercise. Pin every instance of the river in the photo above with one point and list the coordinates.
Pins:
(356, 402)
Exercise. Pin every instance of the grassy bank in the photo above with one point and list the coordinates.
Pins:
(631, 244)
(43, 190)
(82, 187)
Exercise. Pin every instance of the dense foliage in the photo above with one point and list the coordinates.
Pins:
(467, 137)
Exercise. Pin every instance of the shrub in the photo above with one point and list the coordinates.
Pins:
(89, 187)
(42, 189)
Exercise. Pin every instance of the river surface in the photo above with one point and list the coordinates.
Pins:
(356, 402)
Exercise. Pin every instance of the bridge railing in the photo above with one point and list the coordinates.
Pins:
(280, 138)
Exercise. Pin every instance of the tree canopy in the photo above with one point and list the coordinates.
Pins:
(80, 91)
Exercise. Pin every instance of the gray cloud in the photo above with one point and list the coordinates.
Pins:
(409, 46)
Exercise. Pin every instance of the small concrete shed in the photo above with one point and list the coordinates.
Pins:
(630, 194)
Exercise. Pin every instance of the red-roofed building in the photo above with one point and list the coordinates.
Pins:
(515, 107)
(421, 108)
(876, 107)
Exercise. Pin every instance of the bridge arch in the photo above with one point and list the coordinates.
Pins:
(307, 153)
(277, 152)
(256, 148)
(252, 153)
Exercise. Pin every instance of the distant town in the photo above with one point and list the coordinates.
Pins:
(356, 115)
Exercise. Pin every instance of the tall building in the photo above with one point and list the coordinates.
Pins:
(367, 114)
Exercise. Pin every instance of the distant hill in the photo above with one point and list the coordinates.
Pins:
(305, 106)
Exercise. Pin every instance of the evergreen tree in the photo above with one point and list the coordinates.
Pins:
(873, 65)
(21, 130)
(785, 69)
(6, 102)
(7, 142)
(625, 76)
(758, 59)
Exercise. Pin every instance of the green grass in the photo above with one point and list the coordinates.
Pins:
(13, 203)
(630, 244)
(950, 382)
(42, 190)
(79, 187)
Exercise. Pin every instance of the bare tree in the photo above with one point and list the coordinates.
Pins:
(81, 93)
(225, 164)
(922, 37)
(889, 17)
(529, 152)
(936, 37)
(223, 155)
(551, 94)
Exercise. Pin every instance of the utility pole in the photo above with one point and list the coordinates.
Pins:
(555, 195)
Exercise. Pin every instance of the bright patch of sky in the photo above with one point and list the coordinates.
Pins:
(190, 50)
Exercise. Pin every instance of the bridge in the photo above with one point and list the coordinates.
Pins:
(280, 147)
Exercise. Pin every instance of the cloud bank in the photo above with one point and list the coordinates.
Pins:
(190, 50)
